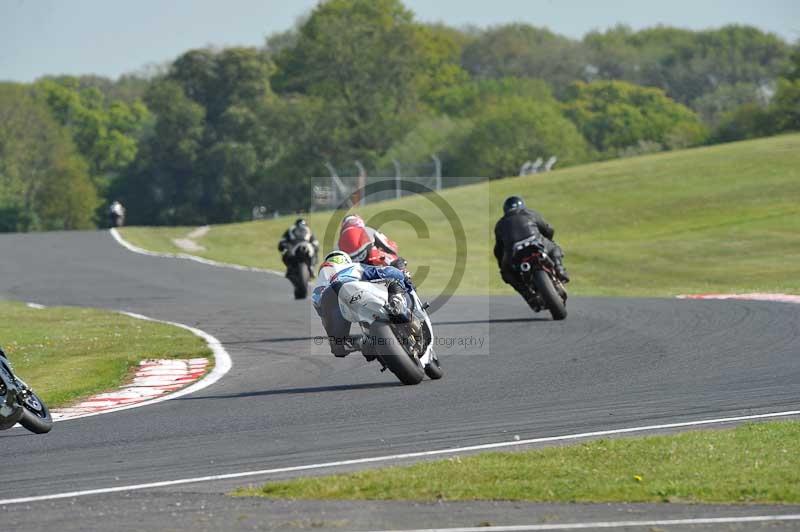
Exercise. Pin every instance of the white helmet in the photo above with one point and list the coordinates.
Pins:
(337, 257)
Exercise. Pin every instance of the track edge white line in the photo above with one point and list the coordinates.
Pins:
(186, 256)
(222, 365)
(616, 524)
(398, 457)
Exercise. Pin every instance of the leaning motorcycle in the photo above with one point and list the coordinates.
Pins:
(402, 344)
(299, 262)
(538, 273)
(116, 219)
(19, 404)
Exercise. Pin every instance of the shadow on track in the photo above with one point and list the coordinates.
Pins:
(293, 391)
(491, 321)
(274, 340)
(17, 434)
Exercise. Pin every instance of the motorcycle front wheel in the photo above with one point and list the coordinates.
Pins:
(405, 366)
(35, 414)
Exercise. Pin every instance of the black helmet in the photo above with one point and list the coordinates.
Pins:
(300, 221)
(512, 203)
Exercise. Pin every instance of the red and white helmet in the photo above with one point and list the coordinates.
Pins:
(352, 220)
(355, 240)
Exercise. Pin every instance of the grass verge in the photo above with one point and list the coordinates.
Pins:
(721, 218)
(752, 463)
(69, 353)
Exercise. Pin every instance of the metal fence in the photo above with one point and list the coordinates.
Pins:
(361, 188)
(353, 185)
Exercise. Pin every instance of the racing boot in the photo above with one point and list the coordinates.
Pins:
(355, 342)
(558, 259)
(562, 272)
(351, 343)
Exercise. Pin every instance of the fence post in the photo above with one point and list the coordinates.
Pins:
(438, 164)
(362, 183)
(398, 174)
(340, 191)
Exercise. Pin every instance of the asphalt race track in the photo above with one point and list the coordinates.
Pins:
(614, 363)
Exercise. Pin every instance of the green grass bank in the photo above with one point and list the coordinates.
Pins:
(723, 218)
(753, 463)
(66, 354)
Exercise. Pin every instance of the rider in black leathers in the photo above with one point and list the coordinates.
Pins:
(297, 233)
(519, 223)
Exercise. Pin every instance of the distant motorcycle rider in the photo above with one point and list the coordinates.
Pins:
(116, 214)
(518, 223)
(367, 245)
(299, 232)
(337, 269)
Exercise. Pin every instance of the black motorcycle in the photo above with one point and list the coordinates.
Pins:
(538, 273)
(19, 404)
(299, 263)
(116, 219)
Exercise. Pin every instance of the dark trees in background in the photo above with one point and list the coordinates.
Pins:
(219, 131)
(208, 147)
(44, 182)
(524, 51)
(615, 115)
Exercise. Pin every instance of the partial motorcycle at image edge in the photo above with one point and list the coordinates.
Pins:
(300, 261)
(401, 341)
(19, 403)
(538, 272)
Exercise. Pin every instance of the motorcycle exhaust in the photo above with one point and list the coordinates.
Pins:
(525, 266)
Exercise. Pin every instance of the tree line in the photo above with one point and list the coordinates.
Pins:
(218, 131)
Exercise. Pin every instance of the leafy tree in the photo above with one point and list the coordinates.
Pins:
(363, 58)
(744, 122)
(686, 64)
(614, 115)
(521, 50)
(163, 177)
(128, 88)
(67, 198)
(217, 80)
(210, 142)
(612, 54)
(725, 98)
(105, 133)
(792, 71)
(44, 182)
(786, 105)
(469, 98)
(442, 136)
(516, 130)
(752, 120)
(440, 48)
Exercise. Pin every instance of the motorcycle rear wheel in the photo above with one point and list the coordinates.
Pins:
(553, 301)
(35, 415)
(393, 355)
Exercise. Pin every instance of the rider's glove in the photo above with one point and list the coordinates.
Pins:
(409, 284)
(397, 304)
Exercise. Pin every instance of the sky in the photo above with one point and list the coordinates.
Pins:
(112, 37)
